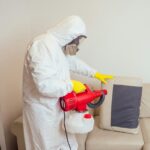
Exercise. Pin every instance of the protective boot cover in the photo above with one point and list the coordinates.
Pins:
(46, 77)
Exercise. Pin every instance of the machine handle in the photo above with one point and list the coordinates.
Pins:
(97, 104)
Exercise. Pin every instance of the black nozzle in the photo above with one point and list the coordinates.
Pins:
(97, 104)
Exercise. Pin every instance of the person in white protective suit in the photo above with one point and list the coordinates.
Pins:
(46, 78)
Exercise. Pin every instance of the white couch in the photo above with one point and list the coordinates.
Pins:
(100, 139)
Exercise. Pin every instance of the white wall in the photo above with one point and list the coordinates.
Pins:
(14, 36)
(118, 41)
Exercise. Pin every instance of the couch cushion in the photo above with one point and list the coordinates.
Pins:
(145, 103)
(146, 146)
(100, 139)
(120, 110)
(145, 126)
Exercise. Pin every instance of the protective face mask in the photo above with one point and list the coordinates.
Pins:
(71, 49)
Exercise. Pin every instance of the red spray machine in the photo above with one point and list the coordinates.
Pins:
(79, 102)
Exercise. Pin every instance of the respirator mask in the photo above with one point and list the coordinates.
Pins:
(73, 47)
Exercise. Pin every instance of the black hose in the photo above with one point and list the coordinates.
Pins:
(97, 104)
(66, 131)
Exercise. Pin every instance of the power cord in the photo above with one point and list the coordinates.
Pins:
(66, 131)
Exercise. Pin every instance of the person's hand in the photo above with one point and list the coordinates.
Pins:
(78, 87)
(102, 77)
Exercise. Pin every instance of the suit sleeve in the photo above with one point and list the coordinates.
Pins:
(43, 71)
(76, 65)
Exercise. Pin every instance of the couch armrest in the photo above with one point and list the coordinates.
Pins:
(17, 130)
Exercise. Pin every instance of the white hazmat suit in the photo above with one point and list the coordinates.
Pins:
(46, 77)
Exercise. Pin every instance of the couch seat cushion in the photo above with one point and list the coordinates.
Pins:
(100, 139)
(145, 126)
(146, 146)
